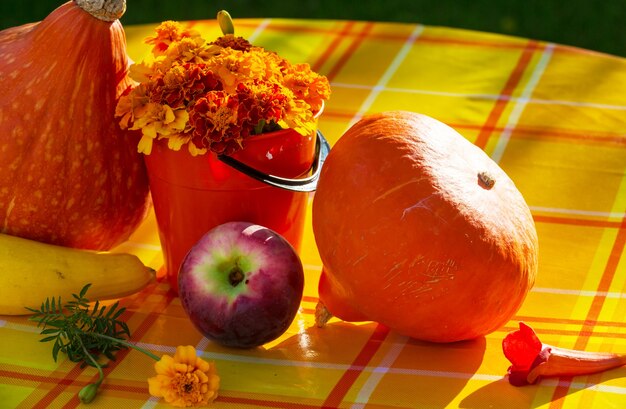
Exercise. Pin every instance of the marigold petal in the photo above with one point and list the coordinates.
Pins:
(202, 365)
(145, 145)
(175, 142)
(155, 387)
(150, 130)
(210, 396)
(141, 72)
(173, 398)
(164, 365)
(195, 151)
(201, 376)
(181, 117)
(168, 114)
(180, 367)
(214, 382)
(185, 354)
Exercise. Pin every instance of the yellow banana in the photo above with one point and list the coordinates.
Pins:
(31, 271)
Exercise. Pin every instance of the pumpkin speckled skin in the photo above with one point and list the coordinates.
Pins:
(412, 233)
(68, 174)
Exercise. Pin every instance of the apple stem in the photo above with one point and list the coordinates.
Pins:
(235, 276)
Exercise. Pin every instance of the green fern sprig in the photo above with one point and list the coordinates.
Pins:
(84, 333)
(77, 329)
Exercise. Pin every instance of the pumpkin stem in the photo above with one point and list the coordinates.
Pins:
(106, 10)
(486, 180)
(322, 315)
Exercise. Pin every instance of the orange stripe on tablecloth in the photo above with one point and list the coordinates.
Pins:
(368, 351)
(521, 131)
(560, 393)
(576, 135)
(509, 88)
(264, 403)
(317, 65)
(566, 321)
(394, 37)
(595, 309)
(53, 393)
(504, 43)
(52, 380)
(543, 331)
(471, 42)
(354, 45)
(603, 286)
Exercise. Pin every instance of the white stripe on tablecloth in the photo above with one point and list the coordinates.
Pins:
(376, 376)
(384, 79)
(488, 97)
(266, 22)
(578, 293)
(608, 215)
(520, 104)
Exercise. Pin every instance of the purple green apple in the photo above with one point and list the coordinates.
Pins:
(241, 284)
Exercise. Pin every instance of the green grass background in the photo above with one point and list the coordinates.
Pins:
(593, 24)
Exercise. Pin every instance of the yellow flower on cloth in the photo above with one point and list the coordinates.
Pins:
(184, 380)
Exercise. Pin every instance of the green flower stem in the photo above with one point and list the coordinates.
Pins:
(93, 361)
(89, 392)
(129, 345)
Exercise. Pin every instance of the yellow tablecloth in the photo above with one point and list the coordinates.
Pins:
(553, 117)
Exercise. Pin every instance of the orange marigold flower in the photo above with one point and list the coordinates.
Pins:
(184, 380)
(186, 50)
(130, 102)
(157, 121)
(215, 121)
(234, 67)
(167, 33)
(308, 85)
(214, 96)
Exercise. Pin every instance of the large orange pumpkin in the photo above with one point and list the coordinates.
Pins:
(418, 229)
(68, 174)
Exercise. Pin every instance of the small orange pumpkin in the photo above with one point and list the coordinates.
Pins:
(418, 229)
(68, 174)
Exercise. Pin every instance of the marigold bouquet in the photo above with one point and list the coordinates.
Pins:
(213, 96)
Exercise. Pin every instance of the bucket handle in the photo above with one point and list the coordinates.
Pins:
(307, 184)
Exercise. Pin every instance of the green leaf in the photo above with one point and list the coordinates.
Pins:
(84, 290)
(47, 339)
(119, 312)
(75, 327)
(55, 350)
(56, 323)
(259, 127)
(95, 308)
(49, 331)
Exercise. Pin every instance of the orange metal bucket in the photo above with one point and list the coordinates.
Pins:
(191, 194)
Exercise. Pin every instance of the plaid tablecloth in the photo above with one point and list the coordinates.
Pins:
(553, 117)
